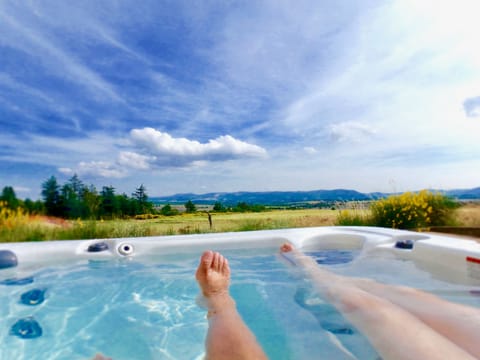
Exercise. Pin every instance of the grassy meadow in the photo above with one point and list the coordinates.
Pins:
(469, 215)
(22, 227)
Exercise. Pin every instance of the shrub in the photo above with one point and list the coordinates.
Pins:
(190, 207)
(218, 207)
(406, 211)
(244, 207)
(12, 218)
(13, 223)
(413, 210)
(168, 210)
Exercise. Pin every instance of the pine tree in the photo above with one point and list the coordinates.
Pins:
(142, 205)
(9, 197)
(51, 197)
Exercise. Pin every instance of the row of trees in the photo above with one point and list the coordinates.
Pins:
(9, 199)
(74, 200)
(190, 207)
(240, 207)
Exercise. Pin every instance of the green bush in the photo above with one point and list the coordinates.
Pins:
(168, 210)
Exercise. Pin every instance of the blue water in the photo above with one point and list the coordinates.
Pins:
(132, 309)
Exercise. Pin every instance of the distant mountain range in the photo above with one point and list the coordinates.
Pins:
(282, 198)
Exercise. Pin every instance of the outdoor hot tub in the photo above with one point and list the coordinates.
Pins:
(134, 298)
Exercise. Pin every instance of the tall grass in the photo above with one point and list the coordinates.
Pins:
(469, 214)
(92, 229)
(410, 210)
(353, 217)
(354, 214)
(25, 228)
(15, 225)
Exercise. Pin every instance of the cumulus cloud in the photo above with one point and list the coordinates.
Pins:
(165, 150)
(472, 106)
(135, 161)
(95, 168)
(153, 149)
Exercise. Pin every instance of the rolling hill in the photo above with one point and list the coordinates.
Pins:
(283, 198)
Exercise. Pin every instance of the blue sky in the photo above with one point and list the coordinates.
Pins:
(206, 96)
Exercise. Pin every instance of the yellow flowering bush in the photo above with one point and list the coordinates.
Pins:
(406, 211)
(11, 218)
(15, 224)
(413, 210)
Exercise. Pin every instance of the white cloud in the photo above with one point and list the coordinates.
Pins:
(351, 131)
(405, 70)
(472, 106)
(21, 189)
(33, 38)
(171, 151)
(95, 169)
(275, 46)
(153, 149)
(66, 170)
(135, 161)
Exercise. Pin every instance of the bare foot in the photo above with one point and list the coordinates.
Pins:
(213, 277)
(287, 247)
(306, 263)
(296, 257)
(101, 357)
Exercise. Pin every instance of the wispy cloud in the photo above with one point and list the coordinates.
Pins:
(53, 151)
(95, 169)
(309, 87)
(62, 64)
(472, 106)
(351, 131)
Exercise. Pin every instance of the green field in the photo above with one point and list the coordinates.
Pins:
(38, 228)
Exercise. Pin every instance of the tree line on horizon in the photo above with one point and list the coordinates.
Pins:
(76, 200)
